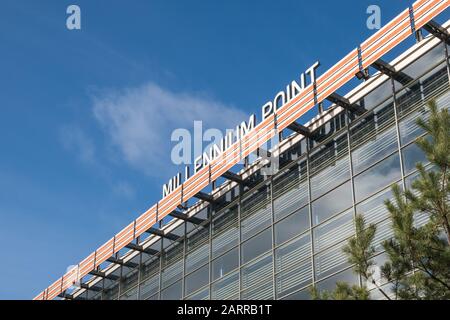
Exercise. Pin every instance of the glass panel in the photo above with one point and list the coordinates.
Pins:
(378, 95)
(330, 261)
(288, 255)
(196, 280)
(172, 265)
(149, 267)
(259, 292)
(376, 149)
(130, 275)
(150, 287)
(335, 230)
(111, 287)
(225, 288)
(425, 62)
(130, 295)
(329, 166)
(383, 232)
(409, 130)
(373, 209)
(172, 293)
(256, 213)
(377, 177)
(332, 203)
(290, 191)
(346, 276)
(258, 271)
(201, 295)
(294, 278)
(224, 264)
(197, 249)
(225, 231)
(412, 155)
(300, 295)
(292, 226)
(256, 246)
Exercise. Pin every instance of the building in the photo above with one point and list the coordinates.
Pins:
(271, 237)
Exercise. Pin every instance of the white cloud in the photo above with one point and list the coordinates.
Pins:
(139, 122)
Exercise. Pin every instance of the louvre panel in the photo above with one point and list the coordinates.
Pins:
(384, 232)
(337, 171)
(294, 278)
(256, 214)
(149, 287)
(197, 258)
(374, 150)
(288, 256)
(291, 197)
(263, 292)
(224, 241)
(330, 260)
(226, 288)
(172, 273)
(336, 230)
(257, 271)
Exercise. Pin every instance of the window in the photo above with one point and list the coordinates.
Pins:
(332, 203)
(197, 249)
(150, 287)
(346, 276)
(329, 166)
(291, 280)
(330, 261)
(335, 230)
(256, 246)
(226, 288)
(290, 191)
(293, 265)
(225, 264)
(374, 209)
(201, 295)
(130, 295)
(225, 231)
(292, 226)
(378, 95)
(412, 155)
(172, 293)
(256, 213)
(377, 177)
(263, 291)
(196, 280)
(374, 150)
(257, 271)
(172, 264)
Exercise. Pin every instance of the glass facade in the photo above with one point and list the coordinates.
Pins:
(277, 235)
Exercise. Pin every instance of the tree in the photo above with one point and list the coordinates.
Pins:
(418, 264)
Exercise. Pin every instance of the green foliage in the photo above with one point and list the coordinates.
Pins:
(418, 265)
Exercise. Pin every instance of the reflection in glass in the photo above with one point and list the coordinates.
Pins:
(376, 149)
(292, 226)
(224, 264)
(380, 175)
(172, 293)
(347, 276)
(373, 209)
(335, 230)
(256, 212)
(196, 280)
(257, 271)
(226, 287)
(256, 246)
(412, 155)
(330, 261)
(332, 203)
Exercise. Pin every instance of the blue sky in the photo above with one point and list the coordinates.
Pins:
(86, 115)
